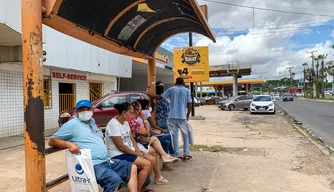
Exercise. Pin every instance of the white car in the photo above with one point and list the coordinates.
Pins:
(299, 94)
(276, 96)
(262, 104)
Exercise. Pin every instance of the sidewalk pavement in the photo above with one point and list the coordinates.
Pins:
(248, 153)
(15, 141)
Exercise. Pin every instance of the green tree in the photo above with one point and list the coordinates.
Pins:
(330, 71)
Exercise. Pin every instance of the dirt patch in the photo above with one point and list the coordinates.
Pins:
(234, 151)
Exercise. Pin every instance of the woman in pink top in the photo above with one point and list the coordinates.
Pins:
(146, 143)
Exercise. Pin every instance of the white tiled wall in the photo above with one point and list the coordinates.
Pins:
(108, 87)
(11, 101)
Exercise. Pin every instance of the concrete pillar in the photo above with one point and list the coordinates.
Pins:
(247, 88)
(235, 84)
(223, 93)
(201, 90)
(216, 89)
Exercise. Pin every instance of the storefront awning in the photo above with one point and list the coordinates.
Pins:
(130, 27)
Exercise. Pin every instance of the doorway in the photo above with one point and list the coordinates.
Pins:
(66, 96)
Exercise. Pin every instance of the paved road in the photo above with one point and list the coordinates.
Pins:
(317, 116)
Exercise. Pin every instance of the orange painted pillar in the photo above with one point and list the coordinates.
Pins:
(33, 95)
(151, 79)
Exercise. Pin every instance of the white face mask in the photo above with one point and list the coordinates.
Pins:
(150, 109)
(85, 115)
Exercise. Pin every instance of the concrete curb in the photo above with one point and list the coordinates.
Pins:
(323, 149)
(326, 150)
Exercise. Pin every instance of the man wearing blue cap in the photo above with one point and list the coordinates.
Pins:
(81, 132)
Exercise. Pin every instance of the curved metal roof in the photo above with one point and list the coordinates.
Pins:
(130, 27)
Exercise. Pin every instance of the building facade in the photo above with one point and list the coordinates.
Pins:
(164, 72)
(72, 70)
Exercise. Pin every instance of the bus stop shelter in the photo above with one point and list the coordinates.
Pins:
(130, 27)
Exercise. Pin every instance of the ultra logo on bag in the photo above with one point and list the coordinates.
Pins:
(81, 171)
(78, 179)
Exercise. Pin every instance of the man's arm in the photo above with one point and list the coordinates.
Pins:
(154, 96)
(188, 110)
(56, 142)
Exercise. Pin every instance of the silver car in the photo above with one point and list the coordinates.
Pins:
(236, 102)
(287, 97)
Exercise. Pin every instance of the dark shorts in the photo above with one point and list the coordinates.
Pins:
(110, 174)
(126, 157)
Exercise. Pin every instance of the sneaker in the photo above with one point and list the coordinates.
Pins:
(187, 158)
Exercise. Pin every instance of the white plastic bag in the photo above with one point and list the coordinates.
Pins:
(191, 134)
(81, 172)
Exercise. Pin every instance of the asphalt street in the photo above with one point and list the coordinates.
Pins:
(316, 116)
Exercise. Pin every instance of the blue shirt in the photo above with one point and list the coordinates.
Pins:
(179, 98)
(163, 109)
(86, 136)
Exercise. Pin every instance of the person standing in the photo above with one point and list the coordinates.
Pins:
(180, 100)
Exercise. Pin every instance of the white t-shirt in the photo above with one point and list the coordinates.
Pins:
(115, 128)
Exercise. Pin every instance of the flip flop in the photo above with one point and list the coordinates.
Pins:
(161, 181)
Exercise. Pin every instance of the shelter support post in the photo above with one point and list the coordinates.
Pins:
(33, 95)
(151, 79)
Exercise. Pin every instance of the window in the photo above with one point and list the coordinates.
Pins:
(242, 98)
(263, 98)
(249, 97)
(134, 98)
(47, 92)
(95, 91)
(112, 101)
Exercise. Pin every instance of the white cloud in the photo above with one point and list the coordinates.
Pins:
(268, 45)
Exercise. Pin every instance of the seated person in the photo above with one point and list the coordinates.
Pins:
(81, 132)
(122, 146)
(164, 138)
(141, 130)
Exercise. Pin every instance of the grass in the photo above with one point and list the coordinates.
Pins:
(214, 148)
(309, 134)
(327, 99)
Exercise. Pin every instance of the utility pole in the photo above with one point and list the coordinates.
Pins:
(322, 78)
(289, 68)
(304, 65)
(314, 84)
(192, 83)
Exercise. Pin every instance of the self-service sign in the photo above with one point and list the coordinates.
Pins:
(192, 64)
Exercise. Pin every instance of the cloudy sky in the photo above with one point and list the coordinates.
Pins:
(278, 37)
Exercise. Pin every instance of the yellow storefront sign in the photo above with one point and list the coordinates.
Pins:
(192, 64)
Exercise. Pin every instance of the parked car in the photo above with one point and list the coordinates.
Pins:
(262, 104)
(236, 102)
(299, 94)
(276, 97)
(104, 109)
(197, 102)
(287, 97)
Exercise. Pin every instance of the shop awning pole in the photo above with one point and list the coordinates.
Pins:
(151, 79)
(33, 95)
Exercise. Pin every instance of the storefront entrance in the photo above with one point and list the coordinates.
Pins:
(66, 96)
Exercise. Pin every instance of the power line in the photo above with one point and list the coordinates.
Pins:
(267, 9)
